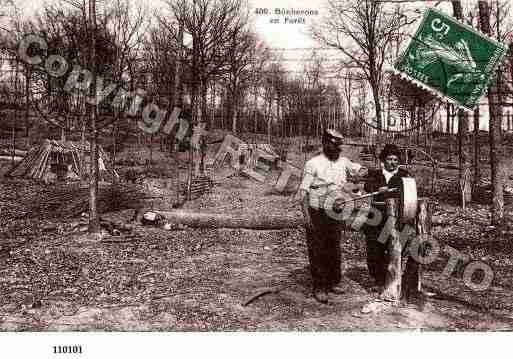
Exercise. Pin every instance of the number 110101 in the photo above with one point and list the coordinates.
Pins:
(67, 349)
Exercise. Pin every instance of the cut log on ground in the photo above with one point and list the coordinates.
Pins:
(216, 220)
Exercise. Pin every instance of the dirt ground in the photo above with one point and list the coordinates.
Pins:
(54, 279)
(198, 280)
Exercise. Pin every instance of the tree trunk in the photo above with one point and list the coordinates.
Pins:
(255, 104)
(94, 220)
(115, 133)
(203, 119)
(213, 104)
(462, 160)
(457, 9)
(13, 142)
(458, 14)
(233, 107)
(448, 119)
(27, 104)
(374, 83)
(269, 121)
(495, 109)
(202, 113)
(477, 150)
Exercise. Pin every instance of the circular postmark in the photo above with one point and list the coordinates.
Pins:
(404, 108)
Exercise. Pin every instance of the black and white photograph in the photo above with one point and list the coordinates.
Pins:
(237, 168)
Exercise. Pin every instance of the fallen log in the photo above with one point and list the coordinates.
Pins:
(217, 220)
(8, 152)
(9, 158)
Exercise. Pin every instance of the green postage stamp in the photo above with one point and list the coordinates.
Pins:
(450, 58)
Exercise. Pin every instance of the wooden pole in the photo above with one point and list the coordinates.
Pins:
(392, 290)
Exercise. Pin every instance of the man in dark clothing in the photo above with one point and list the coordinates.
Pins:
(387, 177)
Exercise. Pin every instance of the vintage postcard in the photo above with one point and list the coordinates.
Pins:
(307, 172)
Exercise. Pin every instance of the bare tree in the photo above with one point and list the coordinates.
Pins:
(126, 25)
(241, 51)
(363, 31)
(260, 62)
(462, 118)
(496, 161)
(314, 72)
(212, 25)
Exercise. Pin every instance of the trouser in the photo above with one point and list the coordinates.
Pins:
(377, 257)
(323, 241)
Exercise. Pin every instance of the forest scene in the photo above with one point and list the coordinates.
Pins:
(151, 155)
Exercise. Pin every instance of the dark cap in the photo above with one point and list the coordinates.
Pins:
(389, 149)
(332, 136)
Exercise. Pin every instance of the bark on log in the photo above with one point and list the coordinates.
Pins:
(216, 220)
(405, 281)
(392, 290)
(261, 222)
(411, 281)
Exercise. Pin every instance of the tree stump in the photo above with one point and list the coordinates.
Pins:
(392, 290)
(412, 284)
(404, 281)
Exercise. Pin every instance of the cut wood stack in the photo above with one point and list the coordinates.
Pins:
(40, 162)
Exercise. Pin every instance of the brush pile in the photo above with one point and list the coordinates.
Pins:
(67, 200)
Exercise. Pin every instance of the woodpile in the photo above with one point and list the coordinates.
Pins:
(49, 159)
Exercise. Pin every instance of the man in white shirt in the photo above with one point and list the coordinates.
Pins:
(324, 174)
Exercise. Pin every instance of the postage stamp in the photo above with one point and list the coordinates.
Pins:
(450, 59)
